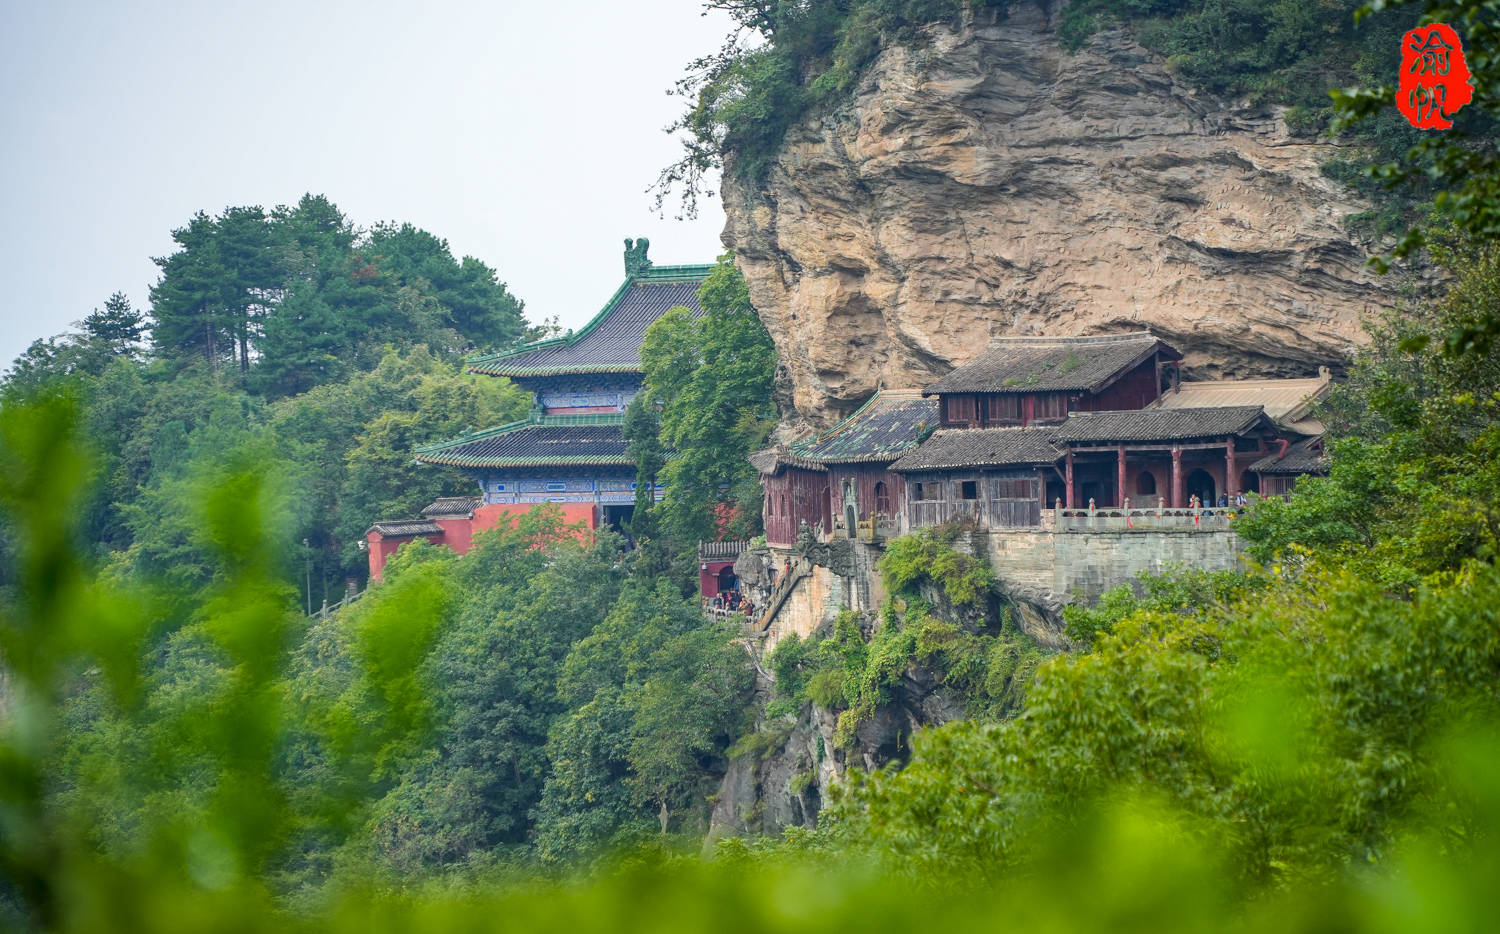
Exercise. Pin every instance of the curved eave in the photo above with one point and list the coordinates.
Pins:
(694, 273)
(973, 464)
(495, 370)
(887, 457)
(586, 461)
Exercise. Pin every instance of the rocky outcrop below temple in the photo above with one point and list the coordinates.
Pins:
(991, 183)
(783, 778)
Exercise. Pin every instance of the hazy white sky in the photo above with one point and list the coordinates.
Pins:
(524, 133)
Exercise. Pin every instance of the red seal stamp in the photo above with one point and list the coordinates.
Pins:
(1435, 80)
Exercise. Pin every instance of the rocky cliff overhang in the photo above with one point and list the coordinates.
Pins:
(990, 183)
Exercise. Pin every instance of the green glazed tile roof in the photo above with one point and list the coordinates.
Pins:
(770, 461)
(891, 423)
(611, 342)
(539, 441)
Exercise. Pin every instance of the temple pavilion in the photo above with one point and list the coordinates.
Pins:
(1033, 424)
(570, 449)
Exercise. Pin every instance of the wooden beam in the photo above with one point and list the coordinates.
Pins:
(1120, 491)
(1068, 479)
(1169, 446)
(1231, 474)
(1177, 478)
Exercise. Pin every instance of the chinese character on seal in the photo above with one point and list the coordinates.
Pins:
(1435, 80)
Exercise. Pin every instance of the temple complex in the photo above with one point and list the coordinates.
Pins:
(1035, 427)
(570, 449)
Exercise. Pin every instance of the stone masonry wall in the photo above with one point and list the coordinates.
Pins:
(1050, 569)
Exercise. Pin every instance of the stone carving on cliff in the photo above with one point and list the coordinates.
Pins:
(991, 183)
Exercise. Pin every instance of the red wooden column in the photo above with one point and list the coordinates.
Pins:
(1120, 491)
(1231, 471)
(1176, 478)
(1068, 481)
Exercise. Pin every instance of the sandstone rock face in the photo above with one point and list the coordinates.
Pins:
(991, 184)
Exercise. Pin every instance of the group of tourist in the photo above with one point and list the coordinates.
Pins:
(733, 602)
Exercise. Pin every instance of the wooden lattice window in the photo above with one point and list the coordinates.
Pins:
(1013, 488)
(961, 410)
(1003, 409)
(882, 498)
(1051, 405)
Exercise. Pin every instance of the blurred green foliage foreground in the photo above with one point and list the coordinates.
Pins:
(1316, 750)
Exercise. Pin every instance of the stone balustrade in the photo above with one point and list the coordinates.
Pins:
(1148, 519)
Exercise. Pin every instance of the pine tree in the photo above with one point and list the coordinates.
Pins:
(119, 326)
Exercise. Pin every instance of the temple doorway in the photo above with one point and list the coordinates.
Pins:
(1201, 484)
(1145, 484)
(615, 517)
(727, 580)
(1249, 482)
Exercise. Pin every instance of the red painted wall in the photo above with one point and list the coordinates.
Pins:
(458, 534)
(490, 515)
(381, 549)
(708, 577)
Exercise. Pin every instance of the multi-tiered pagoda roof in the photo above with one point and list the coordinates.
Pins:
(611, 342)
(606, 351)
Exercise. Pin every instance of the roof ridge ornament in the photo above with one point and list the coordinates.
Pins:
(635, 256)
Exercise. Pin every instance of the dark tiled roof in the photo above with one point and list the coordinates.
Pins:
(1052, 364)
(770, 461)
(404, 528)
(611, 342)
(975, 447)
(1305, 456)
(881, 430)
(447, 506)
(540, 441)
(1158, 424)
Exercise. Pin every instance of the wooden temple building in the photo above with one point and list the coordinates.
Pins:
(1036, 424)
(570, 449)
(840, 478)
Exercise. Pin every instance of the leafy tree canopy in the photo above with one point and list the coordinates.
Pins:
(707, 400)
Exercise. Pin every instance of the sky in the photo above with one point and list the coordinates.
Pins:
(523, 133)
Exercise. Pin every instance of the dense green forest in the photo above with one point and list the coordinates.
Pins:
(528, 737)
(239, 437)
(289, 338)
